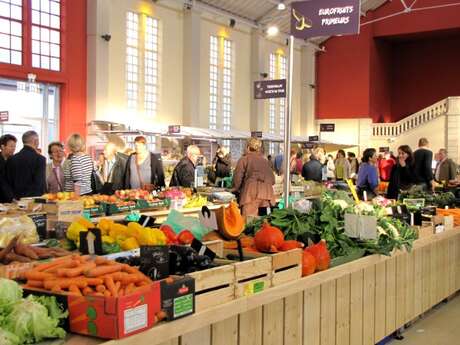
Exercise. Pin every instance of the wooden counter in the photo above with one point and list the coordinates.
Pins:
(358, 303)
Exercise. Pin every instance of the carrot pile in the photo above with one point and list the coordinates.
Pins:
(455, 212)
(83, 276)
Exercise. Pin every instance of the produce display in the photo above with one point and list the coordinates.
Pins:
(230, 221)
(10, 227)
(439, 200)
(455, 213)
(28, 320)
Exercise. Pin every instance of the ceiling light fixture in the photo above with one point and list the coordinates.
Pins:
(281, 6)
(272, 31)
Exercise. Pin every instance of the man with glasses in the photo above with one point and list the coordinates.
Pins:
(184, 172)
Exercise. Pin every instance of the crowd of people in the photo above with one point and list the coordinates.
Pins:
(27, 174)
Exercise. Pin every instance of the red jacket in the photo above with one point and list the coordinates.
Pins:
(385, 166)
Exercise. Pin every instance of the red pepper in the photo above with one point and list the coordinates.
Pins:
(185, 237)
(171, 236)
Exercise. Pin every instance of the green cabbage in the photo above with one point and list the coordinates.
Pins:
(30, 321)
(10, 293)
(50, 302)
(8, 338)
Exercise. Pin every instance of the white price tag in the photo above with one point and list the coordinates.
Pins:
(135, 318)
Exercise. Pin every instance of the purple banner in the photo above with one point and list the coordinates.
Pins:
(266, 89)
(314, 18)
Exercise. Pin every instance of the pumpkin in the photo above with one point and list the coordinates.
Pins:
(268, 239)
(308, 264)
(290, 244)
(321, 254)
(229, 221)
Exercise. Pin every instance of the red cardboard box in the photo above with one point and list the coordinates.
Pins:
(112, 317)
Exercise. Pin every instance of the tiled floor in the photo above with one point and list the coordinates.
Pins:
(440, 326)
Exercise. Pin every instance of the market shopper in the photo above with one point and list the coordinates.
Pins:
(54, 169)
(112, 172)
(342, 167)
(330, 174)
(367, 175)
(385, 166)
(278, 163)
(446, 169)
(7, 146)
(78, 173)
(313, 169)
(26, 170)
(402, 176)
(354, 165)
(144, 169)
(253, 180)
(423, 158)
(184, 172)
(222, 163)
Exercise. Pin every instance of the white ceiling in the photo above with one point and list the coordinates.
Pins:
(264, 12)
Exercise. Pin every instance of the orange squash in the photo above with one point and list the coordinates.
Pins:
(230, 221)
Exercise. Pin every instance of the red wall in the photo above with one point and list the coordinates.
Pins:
(424, 72)
(357, 76)
(72, 77)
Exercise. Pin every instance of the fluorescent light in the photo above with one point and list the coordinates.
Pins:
(272, 31)
(281, 6)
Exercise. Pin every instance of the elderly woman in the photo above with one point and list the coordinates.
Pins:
(253, 180)
(78, 171)
(54, 169)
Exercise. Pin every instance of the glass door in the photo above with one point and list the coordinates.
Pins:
(31, 106)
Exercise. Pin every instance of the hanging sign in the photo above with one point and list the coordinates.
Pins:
(314, 18)
(384, 149)
(313, 138)
(266, 89)
(327, 127)
(257, 134)
(309, 146)
(4, 116)
(174, 129)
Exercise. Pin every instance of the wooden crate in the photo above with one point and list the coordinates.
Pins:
(253, 276)
(214, 286)
(64, 211)
(217, 246)
(286, 266)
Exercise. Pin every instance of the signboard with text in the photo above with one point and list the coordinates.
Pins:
(266, 89)
(4, 116)
(327, 127)
(313, 138)
(384, 149)
(174, 129)
(314, 18)
(257, 134)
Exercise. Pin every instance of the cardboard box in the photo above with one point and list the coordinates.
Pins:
(110, 317)
(64, 211)
(178, 297)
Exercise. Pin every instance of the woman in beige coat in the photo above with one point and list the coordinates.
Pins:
(254, 180)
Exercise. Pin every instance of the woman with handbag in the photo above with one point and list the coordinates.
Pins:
(78, 171)
(144, 169)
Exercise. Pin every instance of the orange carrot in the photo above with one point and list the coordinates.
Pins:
(121, 292)
(100, 288)
(132, 278)
(101, 261)
(62, 265)
(35, 283)
(111, 286)
(97, 294)
(54, 262)
(87, 291)
(36, 275)
(130, 288)
(129, 269)
(102, 270)
(107, 293)
(75, 290)
(64, 283)
(75, 272)
(56, 288)
(95, 281)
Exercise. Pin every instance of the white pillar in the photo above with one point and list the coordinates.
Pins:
(258, 65)
(308, 91)
(453, 128)
(192, 63)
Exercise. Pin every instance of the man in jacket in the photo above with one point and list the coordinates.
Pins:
(184, 172)
(8, 146)
(113, 169)
(423, 159)
(26, 170)
(446, 170)
(312, 170)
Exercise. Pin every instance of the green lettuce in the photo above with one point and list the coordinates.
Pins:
(10, 293)
(50, 302)
(8, 338)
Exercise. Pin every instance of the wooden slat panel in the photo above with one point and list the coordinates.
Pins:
(380, 301)
(445, 265)
(418, 282)
(452, 263)
(343, 311)
(410, 286)
(356, 308)
(457, 268)
(225, 332)
(312, 315)
(293, 321)
(435, 269)
(201, 336)
(273, 330)
(171, 342)
(250, 327)
(328, 312)
(390, 322)
(426, 283)
(401, 286)
(369, 305)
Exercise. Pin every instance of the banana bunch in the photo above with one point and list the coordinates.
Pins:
(196, 201)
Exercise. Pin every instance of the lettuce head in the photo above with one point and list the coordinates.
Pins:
(10, 293)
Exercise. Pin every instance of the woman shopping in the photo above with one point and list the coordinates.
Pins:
(78, 171)
(402, 175)
(254, 180)
(368, 180)
(55, 169)
(342, 167)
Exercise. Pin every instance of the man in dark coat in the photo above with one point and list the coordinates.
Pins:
(8, 146)
(113, 170)
(423, 160)
(26, 170)
(184, 172)
(313, 170)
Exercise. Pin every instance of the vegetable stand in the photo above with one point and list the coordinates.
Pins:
(360, 302)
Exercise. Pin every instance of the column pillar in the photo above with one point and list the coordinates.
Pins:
(308, 91)
(258, 65)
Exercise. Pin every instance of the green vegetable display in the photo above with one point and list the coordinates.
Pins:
(29, 320)
(439, 200)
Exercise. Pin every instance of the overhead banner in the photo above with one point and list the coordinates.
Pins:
(314, 18)
(266, 89)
